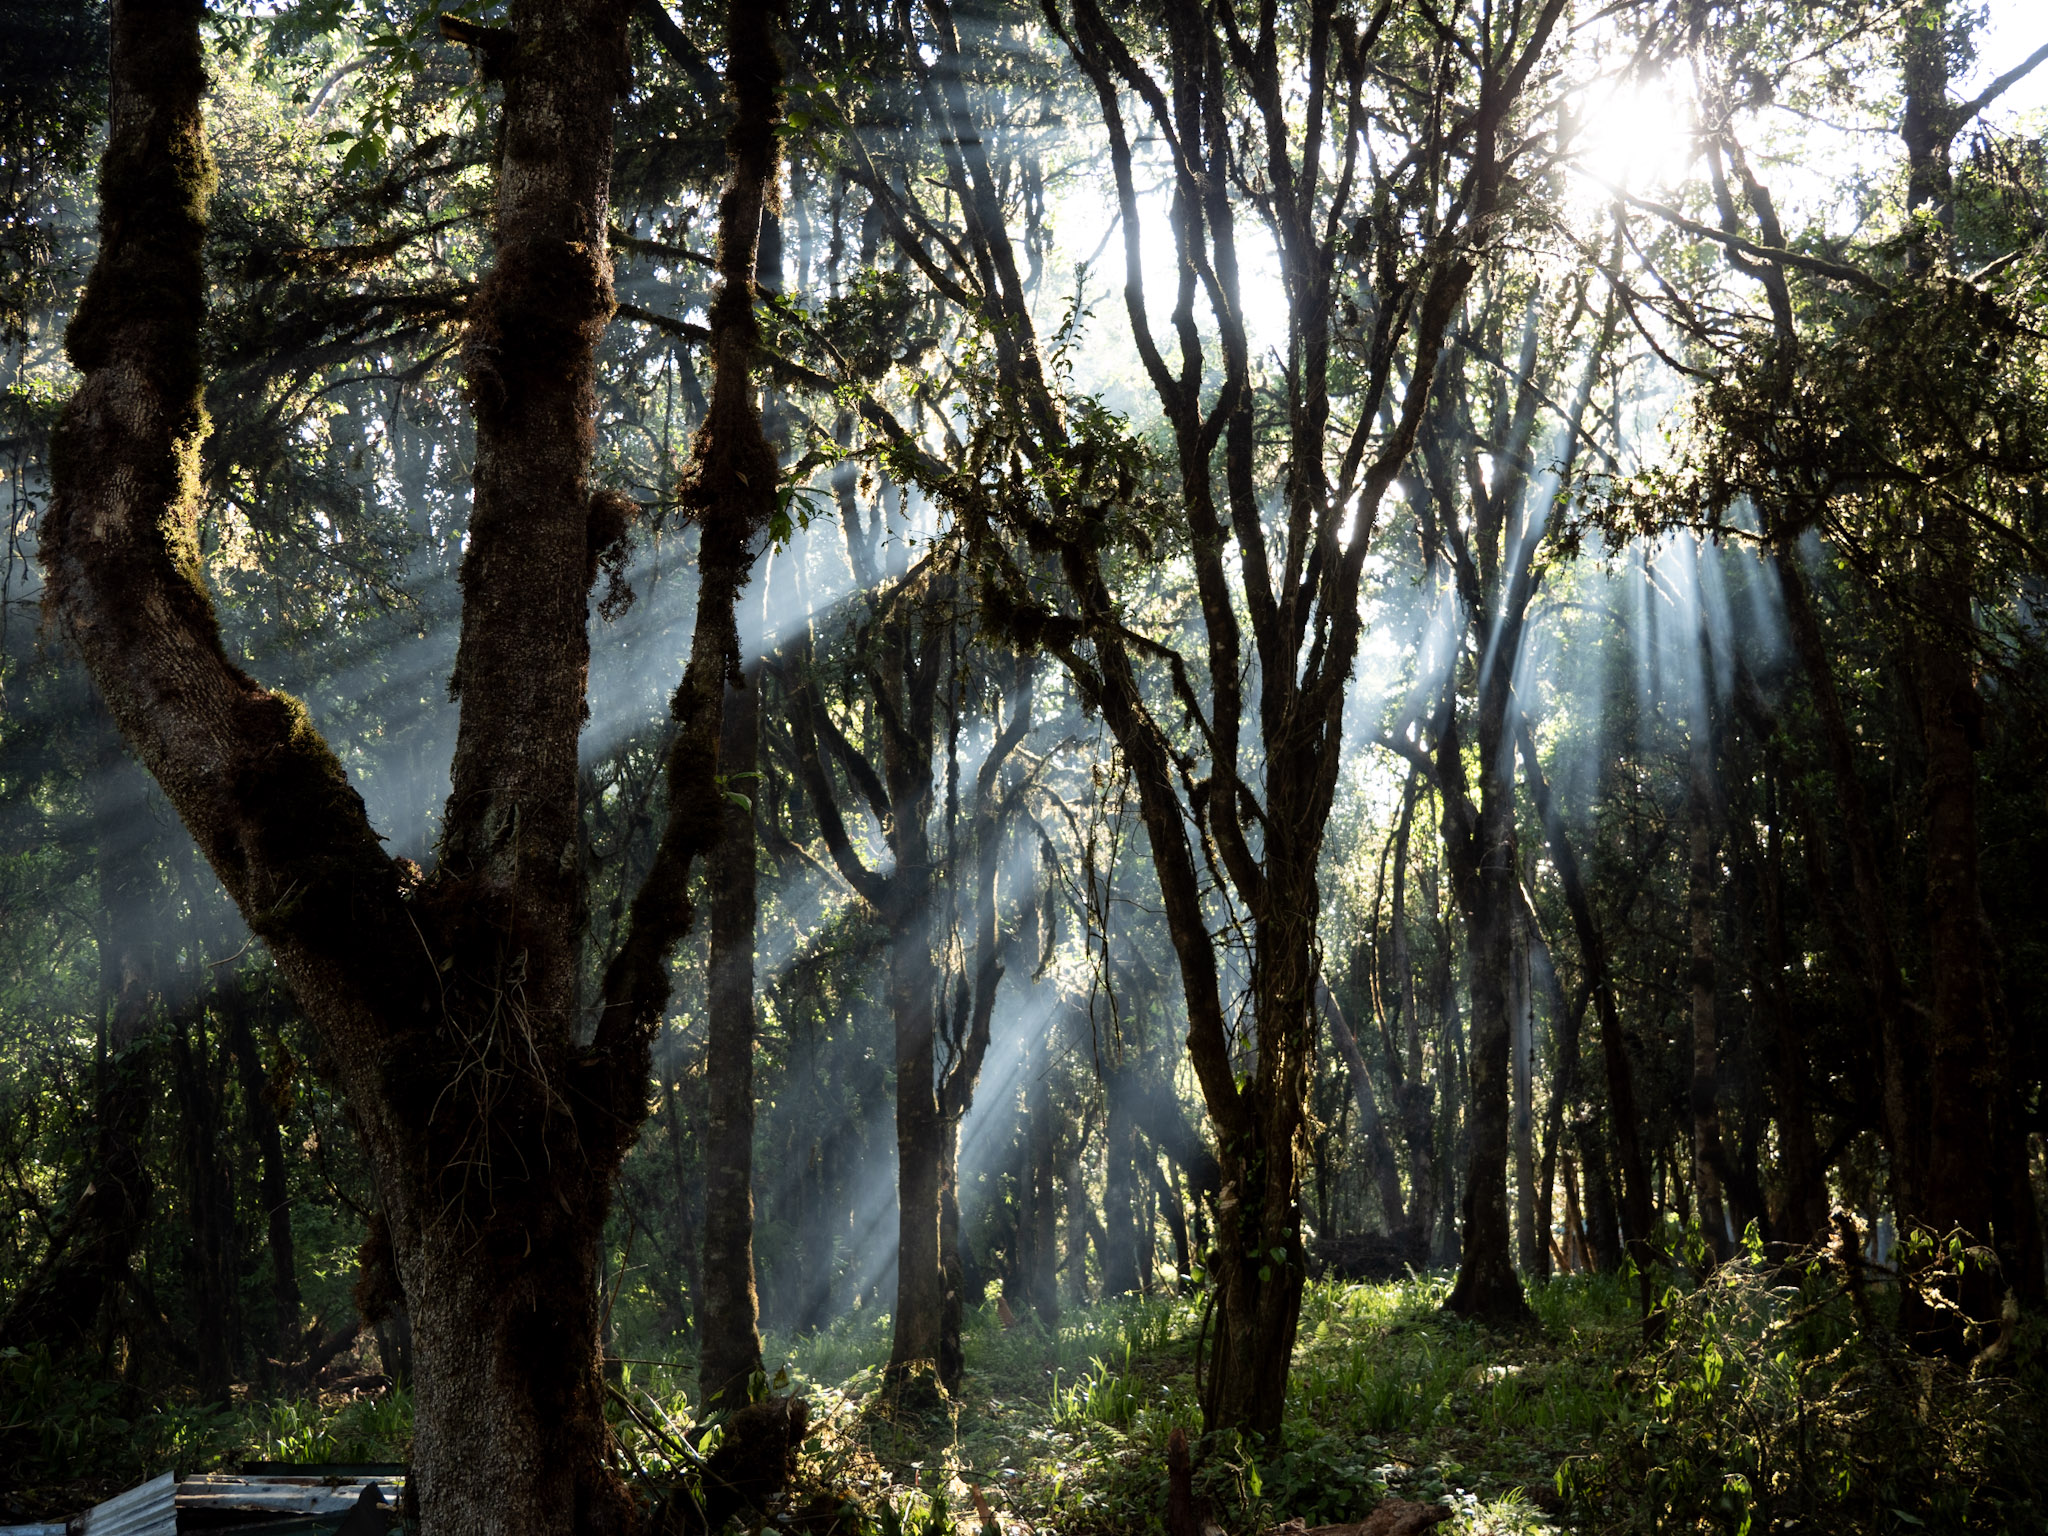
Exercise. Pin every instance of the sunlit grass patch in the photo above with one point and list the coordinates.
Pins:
(368, 1429)
(830, 1356)
(1512, 1514)
(1386, 1394)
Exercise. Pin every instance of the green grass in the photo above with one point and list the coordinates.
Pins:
(1066, 1429)
(1764, 1395)
(69, 1438)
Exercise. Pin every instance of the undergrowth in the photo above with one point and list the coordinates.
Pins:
(1774, 1401)
(70, 1436)
(1782, 1400)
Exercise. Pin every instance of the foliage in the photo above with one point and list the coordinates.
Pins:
(69, 1432)
(1781, 1400)
(357, 156)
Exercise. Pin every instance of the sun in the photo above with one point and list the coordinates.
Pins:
(1628, 135)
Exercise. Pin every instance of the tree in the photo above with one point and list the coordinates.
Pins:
(1052, 501)
(493, 1114)
(1912, 468)
(899, 658)
(1484, 536)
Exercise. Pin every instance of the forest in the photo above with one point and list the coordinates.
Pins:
(894, 767)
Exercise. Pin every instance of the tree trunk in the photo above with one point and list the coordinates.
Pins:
(1454, 1123)
(956, 1092)
(1967, 1062)
(685, 1132)
(913, 980)
(1119, 1218)
(1380, 1167)
(449, 1009)
(1622, 1111)
(1976, 1182)
(1522, 1012)
(1487, 1285)
(730, 1341)
(1901, 1051)
(1148, 1225)
(1302, 684)
(818, 1244)
(1577, 1253)
(1261, 1265)
(919, 1282)
(1564, 1092)
(1415, 1096)
(1480, 846)
(272, 1190)
(1702, 878)
(1174, 1210)
(509, 1429)
(1038, 1222)
(1074, 1192)
(211, 1246)
(1801, 1219)
(1603, 1230)
(952, 1264)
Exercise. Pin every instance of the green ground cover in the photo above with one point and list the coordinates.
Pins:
(1067, 1430)
(1773, 1401)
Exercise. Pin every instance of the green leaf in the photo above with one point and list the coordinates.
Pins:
(366, 152)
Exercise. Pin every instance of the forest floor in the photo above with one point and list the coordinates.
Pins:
(1056, 1430)
(1775, 1400)
(1066, 1431)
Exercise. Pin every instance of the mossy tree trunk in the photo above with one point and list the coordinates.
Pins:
(493, 1118)
(730, 1340)
(1975, 1180)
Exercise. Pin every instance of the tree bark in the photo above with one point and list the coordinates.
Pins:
(1967, 1061)
(1622, 1111)
(1038, 1229)
(1379, 1154)
(1975, 1179)
(212, 1245)
(1415, 1096)
(1577, 1252)
(963, 1075)
(730, 1340)
(1564, 1093)
(1801, 1219)
(1603, 1230)
(272, 1189)
(1174, 1211)
(1479, 845)
(1074, 1196)
(449, 1009)
(1119, 1217)
(1522, 1004)
(1702, 878)
(902, 670)
(906, 676)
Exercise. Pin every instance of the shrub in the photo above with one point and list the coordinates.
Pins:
(1782, 1400)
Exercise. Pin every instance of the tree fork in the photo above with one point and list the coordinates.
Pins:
(509, 1430)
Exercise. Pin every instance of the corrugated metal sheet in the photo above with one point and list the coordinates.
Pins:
(223, 1494)
(318, 1498)
(150, 1510)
